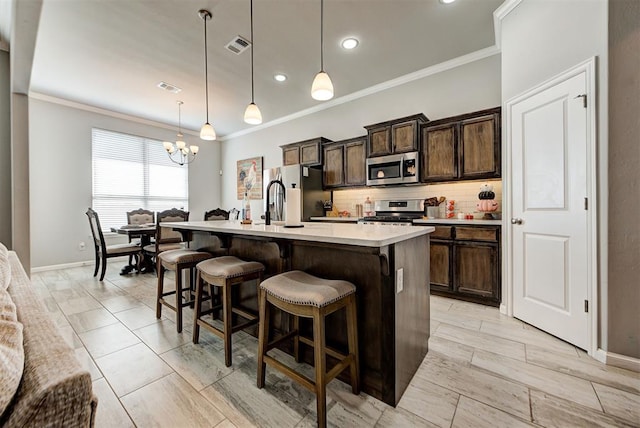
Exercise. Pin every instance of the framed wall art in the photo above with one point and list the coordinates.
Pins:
(249, 178)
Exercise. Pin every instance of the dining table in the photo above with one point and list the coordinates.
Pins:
(145, 232)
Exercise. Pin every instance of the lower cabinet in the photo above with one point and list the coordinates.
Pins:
(465, 263)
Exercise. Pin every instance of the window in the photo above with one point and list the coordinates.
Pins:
(131, 172)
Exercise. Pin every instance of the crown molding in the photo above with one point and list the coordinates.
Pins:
(92, 109)
(416, 75)
(499, 14)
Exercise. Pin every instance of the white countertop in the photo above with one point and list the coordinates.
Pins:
(336, 219)
(452, 221)
(364, 235)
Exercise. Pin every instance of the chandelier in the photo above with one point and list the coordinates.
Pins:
(180, 153)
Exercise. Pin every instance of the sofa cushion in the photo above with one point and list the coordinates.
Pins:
(11, 350)
(5, 268)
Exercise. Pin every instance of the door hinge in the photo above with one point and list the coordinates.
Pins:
(586, 203)
(586, 306)
(584, 99)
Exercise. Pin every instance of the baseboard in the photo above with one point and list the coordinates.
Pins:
(623, 361)
(600, 355)
(503, 309)
(70, 265)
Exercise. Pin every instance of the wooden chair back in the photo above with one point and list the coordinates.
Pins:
(217, 214)
(166, 235)
(96, 231)
(140, 216)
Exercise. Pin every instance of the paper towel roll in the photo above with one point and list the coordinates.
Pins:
(293, 207)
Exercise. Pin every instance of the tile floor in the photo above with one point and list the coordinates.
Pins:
(482, 370)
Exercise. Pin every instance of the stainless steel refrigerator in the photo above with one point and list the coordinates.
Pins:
(307, 179)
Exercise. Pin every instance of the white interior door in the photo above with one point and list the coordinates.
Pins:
(549, 224)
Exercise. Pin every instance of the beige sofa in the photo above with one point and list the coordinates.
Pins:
(43, 384)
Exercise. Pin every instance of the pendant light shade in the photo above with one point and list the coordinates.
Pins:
(206, 132)
(322, 88)
(252, 114)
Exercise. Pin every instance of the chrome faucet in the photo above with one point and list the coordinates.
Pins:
(267, 215)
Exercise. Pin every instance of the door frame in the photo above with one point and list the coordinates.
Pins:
(589, 68)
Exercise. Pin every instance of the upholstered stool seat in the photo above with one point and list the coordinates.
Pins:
(305, 295)
(176, 260)
(224, 272)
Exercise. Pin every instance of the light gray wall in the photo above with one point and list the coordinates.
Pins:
(624, 177)
(542, 38)
(467, 88)
(5, 149)
(61, 177)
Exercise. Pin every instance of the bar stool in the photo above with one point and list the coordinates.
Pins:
(176, 260)
(304, 295)
(224, 272)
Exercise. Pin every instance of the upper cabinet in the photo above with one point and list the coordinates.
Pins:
(344, 163)
(464, 147)
(307, 152)
(394, 136)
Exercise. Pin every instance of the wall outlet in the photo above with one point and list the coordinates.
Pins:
(399, 280)
(82, 246)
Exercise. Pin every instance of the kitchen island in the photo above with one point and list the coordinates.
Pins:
(389, 266)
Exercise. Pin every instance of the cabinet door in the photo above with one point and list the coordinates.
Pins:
(354, 163)
(310, 154)
(479, 149)
(440, 266)
(291, 155)
(476, 270)
(379, 142)
(404, 137)
(439, 149)
(333, 167)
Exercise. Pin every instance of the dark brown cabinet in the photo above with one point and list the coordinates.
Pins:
(394, 136)
(344, 163)
(308, 152)
(465, 263)
(464, 147)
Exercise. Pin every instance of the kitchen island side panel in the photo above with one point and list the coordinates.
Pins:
(412, 315)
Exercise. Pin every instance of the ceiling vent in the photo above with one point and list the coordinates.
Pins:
(238, 45)
(168, 87)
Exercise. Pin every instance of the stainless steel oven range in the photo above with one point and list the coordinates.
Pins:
(397, 212)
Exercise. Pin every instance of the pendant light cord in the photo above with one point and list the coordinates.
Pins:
(252, 45)
(321, 35)
(206, 71)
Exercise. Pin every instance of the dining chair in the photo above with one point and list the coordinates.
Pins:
(139, 217)
(166, 237)
(103, 251)
(217, 214)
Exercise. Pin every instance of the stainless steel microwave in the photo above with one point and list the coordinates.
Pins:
(402, 168)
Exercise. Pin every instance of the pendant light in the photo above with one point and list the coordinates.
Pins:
(252, 114)
(180, 153)
(206, 132)
(322, 88)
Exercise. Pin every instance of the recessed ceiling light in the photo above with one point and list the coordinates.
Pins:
(446, 1)
(349, 43)
(280, 77)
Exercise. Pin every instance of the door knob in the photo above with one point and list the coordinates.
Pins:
(516, 221)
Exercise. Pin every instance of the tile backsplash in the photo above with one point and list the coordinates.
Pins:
(464, 193)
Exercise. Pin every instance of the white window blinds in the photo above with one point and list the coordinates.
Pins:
(131, 172)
